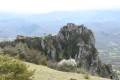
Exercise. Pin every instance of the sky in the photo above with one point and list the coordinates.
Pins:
(44, 6)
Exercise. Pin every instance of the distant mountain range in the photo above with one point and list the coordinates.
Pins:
(104, 23)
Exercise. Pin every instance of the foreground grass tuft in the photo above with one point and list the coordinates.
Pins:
(86, 76)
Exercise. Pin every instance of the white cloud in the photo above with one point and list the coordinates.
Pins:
(42, 6)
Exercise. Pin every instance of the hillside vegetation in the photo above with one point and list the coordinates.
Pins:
(45, 73)
(73, 42)
(13, 69)
(41, 72)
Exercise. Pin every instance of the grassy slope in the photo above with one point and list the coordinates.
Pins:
(45, 73)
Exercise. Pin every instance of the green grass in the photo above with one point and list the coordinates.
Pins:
(118, 72)
(112, 54)
(45, 73)
(115, 56)
(116, 49)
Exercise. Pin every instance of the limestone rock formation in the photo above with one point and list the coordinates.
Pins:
(72, 41)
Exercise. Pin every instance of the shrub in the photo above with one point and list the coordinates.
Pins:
(111, 77)
(10, 50)
(68, 62)
(86, 76)
(52, 64)
(1, 51)
(82, 71)
(43, 60)
(72, 79)
(30, 55)
(67, 65)
(79, 64)
(12, 69)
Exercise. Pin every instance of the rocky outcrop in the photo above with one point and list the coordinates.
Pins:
(72, 41)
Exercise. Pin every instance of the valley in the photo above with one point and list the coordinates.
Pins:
(111, 56)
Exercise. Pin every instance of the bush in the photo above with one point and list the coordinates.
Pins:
(79, 64)
(10, 50)
(43, 60)
(30, 55)
(72, 79)
(52, 64)
(1, 51)
(12, 69)
(86, 76)
(82, 71)
(67, 65)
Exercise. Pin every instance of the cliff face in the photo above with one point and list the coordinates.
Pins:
(75, 42)
(78, 42)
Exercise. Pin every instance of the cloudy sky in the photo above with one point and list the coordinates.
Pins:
(44, 6)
